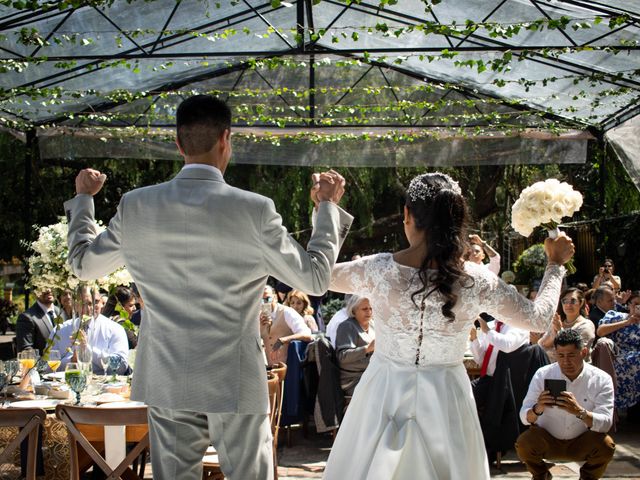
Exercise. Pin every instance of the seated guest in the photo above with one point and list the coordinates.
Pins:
(127, 300)
(35, 324)
(301, 303)
(572, 316)
(105, 337)
(603, 299)
(624, 330)
(66, 304)
(574, 425)
(279, 327)
(355, 343)
(606, 277)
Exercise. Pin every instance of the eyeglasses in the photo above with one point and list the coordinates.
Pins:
(570, 301)
(267, 299)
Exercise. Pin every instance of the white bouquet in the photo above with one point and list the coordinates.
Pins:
(545, 204)
(48, 267)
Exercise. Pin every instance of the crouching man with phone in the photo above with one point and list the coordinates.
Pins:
(569, 406)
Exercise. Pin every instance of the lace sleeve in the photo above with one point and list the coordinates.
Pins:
(504, 302)
(351, 277)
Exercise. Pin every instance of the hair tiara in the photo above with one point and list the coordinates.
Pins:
(418, 189)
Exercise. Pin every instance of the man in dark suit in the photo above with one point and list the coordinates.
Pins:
(35, 324)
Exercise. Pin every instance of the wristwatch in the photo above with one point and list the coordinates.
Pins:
(582, 414)
(533, 409)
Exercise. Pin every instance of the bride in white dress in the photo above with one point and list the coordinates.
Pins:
(412, 415)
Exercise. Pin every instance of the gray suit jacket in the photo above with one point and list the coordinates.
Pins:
(200, 252)
(33, 328)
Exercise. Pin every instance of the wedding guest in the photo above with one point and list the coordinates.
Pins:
(571, 316)
(136, 316)
(124, 297)
(624, 330)
(479, 250)
(574, 425)
(300, 302)
(66, 304)
(105, 337)
(280, 327)
(603, 299)
(35, 324)
(355, 343)
(605, 276)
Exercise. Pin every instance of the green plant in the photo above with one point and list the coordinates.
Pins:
(530, 265)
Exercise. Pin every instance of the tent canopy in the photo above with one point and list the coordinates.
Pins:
(459, 82)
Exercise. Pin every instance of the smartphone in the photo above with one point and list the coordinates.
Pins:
(555, 387)
(265, 308)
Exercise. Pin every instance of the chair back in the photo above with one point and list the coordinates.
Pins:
(81, 423)
(28, 420)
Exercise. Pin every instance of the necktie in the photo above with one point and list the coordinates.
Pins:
(51, 316)
(487, 354)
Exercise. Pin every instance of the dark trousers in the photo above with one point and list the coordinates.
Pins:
(593, 448)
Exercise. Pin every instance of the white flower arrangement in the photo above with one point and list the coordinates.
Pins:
(48, 265)
(545, 204)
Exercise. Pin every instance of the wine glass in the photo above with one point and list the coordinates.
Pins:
(114, 364)
(54, 360)
(27, 359)
(76, 378)
(84, 355)
(104, 361)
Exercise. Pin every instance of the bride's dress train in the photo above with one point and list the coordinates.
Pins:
(413, 415)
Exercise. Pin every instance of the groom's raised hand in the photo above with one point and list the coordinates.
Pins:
(89, 181)
(327, 187)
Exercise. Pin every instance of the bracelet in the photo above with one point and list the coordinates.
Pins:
(533, 409)
(582, 414)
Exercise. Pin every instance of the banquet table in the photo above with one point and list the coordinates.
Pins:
(55, 443)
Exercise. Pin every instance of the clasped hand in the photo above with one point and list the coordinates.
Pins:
(327, 187)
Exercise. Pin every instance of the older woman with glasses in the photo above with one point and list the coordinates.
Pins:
(571, 315)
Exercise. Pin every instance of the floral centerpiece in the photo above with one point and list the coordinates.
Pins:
(545, 204)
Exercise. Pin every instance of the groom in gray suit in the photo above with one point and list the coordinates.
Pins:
(200, 252)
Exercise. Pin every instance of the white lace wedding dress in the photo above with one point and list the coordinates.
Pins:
(412, 415)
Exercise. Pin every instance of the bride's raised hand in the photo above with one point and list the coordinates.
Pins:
(559, 250)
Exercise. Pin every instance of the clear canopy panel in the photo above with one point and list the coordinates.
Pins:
(465, 81)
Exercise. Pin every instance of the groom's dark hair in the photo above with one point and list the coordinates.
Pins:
(201, 120)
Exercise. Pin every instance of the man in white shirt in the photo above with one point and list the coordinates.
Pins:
(105, 337)
(572, 425)
(279, 327)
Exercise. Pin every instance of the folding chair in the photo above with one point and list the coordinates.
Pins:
(81, 423)
(211, 463)
(28, 420)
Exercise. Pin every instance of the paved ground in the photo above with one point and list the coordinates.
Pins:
(306, 458)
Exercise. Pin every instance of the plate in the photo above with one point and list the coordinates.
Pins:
(47, 403)
(59, 376)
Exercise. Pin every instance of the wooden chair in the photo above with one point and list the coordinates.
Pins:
(86, 429)
(211, 463)
(279, 369)
(29, 421)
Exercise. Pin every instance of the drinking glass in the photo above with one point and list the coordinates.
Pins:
(76, 378)
(54, 360)
(4, 378)
(27, 359)
(11, 367)
(84, 355)
(104, 361)
(114, 364)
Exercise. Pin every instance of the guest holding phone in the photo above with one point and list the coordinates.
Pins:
(605, 276)
(624, 330)
(572, 425)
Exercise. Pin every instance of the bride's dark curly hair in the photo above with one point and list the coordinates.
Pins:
(439, 209)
